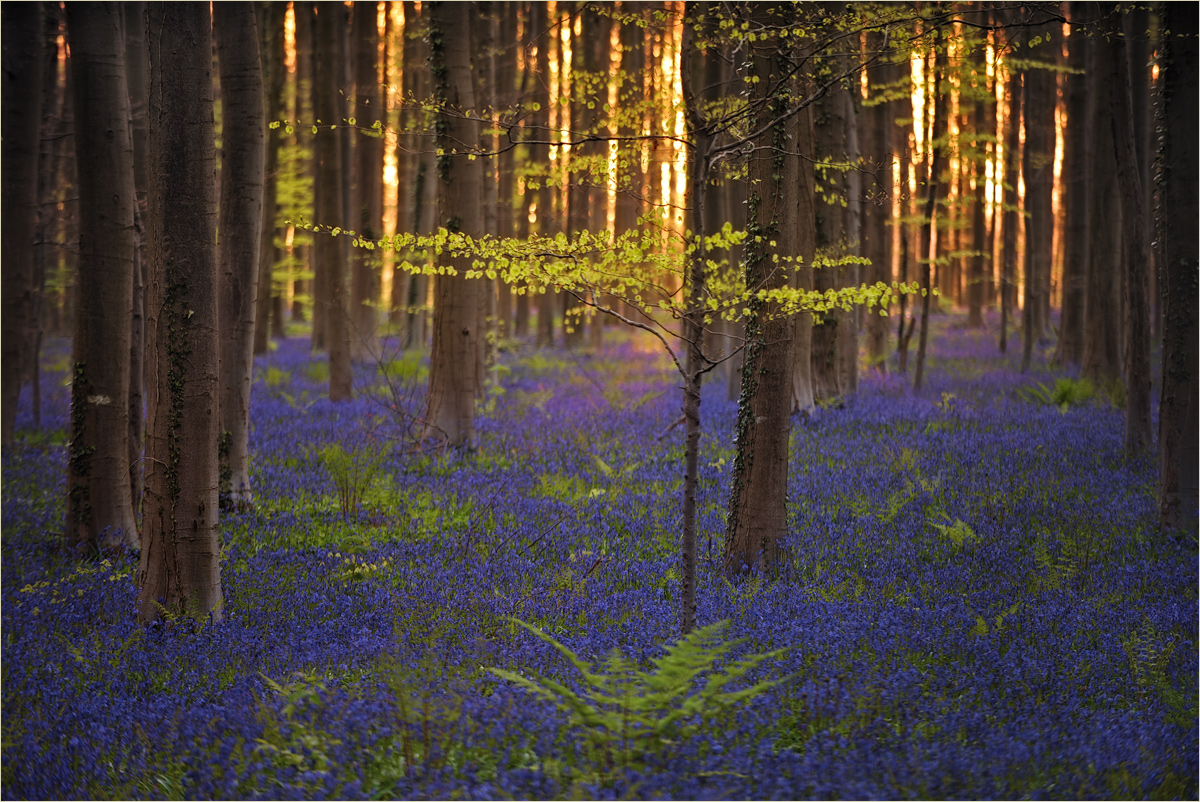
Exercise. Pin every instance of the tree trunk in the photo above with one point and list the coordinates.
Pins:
(829, 127)
(978, 161)
(271, 19)
(1077, 155)
(804, 243)
(937, 159)
(368, 221)
(757, 513)
(450, 415)
(1178, 405)
(1135, 255)
(1041, 90)
(1012, 200)
(22, 117)
(135, 81)
(539, 154)
(306, 39)
(1102, 311)
(879, 148)
(506, 77)
(180, 567)
(331, 256)
(243, 157)
(99, 506)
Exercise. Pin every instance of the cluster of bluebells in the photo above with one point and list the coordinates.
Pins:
(974, 599)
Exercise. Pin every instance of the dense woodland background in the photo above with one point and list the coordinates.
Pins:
(360, 349)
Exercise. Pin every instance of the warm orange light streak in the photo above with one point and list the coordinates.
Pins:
(289, 37)
(553, 78)
(614, 68)
(565, 53)
(917, 72)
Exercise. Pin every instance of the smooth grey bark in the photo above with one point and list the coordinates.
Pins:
(135, 81)
(450, 413)
(1179, 406)
(179, 572)
(879, 147)
(243, 161)
(803, 241)
(331, 256)
(99, 506)
(1012, 213)
(21, 97)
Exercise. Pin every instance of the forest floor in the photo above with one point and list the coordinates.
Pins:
(975, 601)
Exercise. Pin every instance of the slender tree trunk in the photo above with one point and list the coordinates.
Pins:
(306, 38)
(331, 256)
(135, 81)
(1041, 91)
(99, 506)
(757, 514)
(879, 148)
(506, 77)
(450, 415)
(270, 302)
(243, 158)
(368, 219)
(22, 116)
(180, 567)
(1177, 225)
(539, 154)
(1012, 200)
(1076, 238)
(1102, 328)
(939, 125)
(979, 232)
(804, 243)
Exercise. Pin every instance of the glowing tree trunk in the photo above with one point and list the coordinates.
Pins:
(1041, 91)
(1178, 407)
(450, 414)
(99, 505)
(937, 159)
(22, 94)
(1076, 236)
(243, 158)
(180, 568)
(268, 316)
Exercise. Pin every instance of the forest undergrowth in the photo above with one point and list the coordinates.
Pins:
(975, 601)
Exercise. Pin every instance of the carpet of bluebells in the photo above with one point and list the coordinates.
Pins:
(976, 603)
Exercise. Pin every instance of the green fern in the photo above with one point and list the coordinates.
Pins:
(624, 713)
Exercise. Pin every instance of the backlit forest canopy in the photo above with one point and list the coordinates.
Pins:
(366, 343)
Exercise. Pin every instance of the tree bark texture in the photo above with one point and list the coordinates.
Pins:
(180, 566)
(268, 317)
(21, 98)
(1012, 200)
(802, 241)
(1178, 177)
(331, 256)
(1135, 255)
(757, 514)
(243, 161)
(1102, 311)
(368, 219)
(99, 504)
(450, 414)
(937, 159)
(879, 147)
(1041, 91)
(1077, 155)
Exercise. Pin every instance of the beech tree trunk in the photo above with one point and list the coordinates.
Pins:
(331, 256)
(135, 81)
(180, 566)
(939, 125)
(1012, 201)
(368, 222)
(1077, 155)
(450, 414)
(1041, 92)
(879, 148)
(243, 159)
(1102, 313)
(757, 513)
(22, 116)
(99, 504)
(1179, 406)
(804, 243)
(539, 154)
(268, 317)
